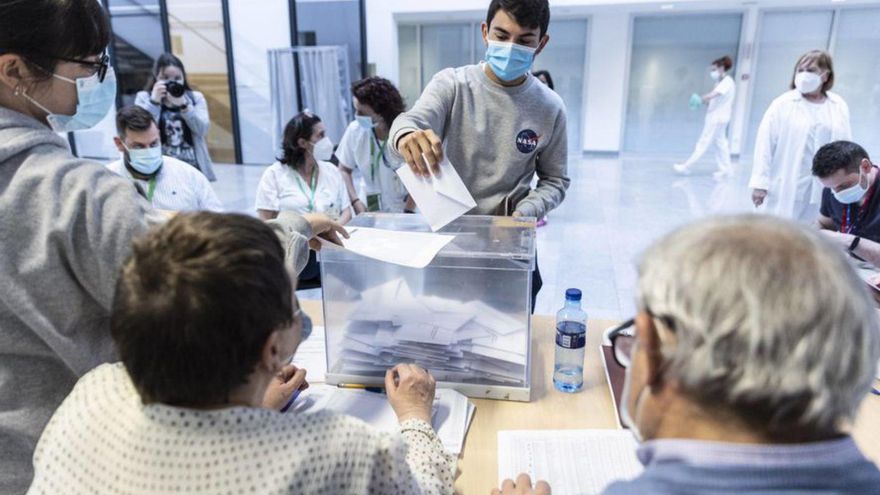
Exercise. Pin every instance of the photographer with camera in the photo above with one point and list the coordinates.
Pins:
(182, 114)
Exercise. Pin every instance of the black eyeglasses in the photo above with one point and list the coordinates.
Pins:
(101, 65)
(623, 340)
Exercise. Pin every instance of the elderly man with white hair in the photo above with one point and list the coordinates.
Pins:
(754, 345)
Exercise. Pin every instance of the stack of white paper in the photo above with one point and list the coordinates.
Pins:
(451, 416)
(312, 355)
(581, 462)
(457, 341)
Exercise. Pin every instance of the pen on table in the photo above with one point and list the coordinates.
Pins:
(292, 398)
(875, 391)
(379, 389)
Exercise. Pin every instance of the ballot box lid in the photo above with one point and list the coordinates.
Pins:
(476, 236)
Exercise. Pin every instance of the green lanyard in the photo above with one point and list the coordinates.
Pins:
(151, 189)
(375, 157)
(314, 187)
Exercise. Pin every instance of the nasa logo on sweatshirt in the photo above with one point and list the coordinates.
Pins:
(527, 141)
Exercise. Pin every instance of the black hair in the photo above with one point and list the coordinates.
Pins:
(381, 95)
(838, 155)
(133, 118)
(546, 75)
(167, 60)
(41, 31)
(527, 13)
(205, 288)
(300, 126)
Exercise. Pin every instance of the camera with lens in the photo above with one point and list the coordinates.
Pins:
(175, 89)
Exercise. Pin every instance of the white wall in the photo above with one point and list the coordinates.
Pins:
(608, 50)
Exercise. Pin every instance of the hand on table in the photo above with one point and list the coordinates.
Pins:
(282, 387)
(523, 486)
(410, 389)
(419, 147)
(325, 228)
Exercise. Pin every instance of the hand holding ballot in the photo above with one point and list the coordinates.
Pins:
(410, 390)
(422, 149)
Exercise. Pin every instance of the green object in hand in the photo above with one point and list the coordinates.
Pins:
(695, 101)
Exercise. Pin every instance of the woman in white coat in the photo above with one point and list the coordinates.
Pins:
(795, 126)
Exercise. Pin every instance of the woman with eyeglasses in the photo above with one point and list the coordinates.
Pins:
(66, 224)
(181, 112)
(792, 130)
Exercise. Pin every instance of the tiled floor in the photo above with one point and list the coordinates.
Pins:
(614, 209)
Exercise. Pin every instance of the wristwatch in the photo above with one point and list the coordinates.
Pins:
(855, 243)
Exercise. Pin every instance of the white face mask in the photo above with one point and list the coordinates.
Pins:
(323, 150)
(715, 75)
(852, 194)
(807, 82)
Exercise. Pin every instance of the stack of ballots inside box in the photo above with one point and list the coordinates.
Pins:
(457, 341)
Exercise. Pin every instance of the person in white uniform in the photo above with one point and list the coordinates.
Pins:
(714, 135)
(794, 127)
(363, 148)
(303, 180)
(166, 182)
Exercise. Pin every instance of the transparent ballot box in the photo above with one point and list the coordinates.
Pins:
(465, 317)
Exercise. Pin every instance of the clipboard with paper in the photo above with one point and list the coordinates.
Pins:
(442, 197)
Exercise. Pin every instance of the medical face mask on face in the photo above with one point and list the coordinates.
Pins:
(323, 149)
(807, 82)
(715, 75)
(145, 160)
(365, 122)
(509, 61)
(852, 194)
(94, 100)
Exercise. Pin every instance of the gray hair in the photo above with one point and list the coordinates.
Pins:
(771, 322)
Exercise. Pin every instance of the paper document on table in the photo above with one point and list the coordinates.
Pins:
(412, 249)
(441, 198)
(451, 415)
(581, 462)
(312, 355)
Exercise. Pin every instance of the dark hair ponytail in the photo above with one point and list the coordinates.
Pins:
(43, 30)
(299, 127)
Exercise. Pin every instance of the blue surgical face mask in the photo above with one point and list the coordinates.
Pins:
(145, 160)
(852, 194)
(509, 61)
(94, 100)
(365, 122)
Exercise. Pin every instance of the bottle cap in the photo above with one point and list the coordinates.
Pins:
(573, 295)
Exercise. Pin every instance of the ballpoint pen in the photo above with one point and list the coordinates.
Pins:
(290, 402)
(379, 389)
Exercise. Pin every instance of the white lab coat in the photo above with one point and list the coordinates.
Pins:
(779, 165)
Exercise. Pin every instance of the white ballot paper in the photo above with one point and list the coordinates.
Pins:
(451, 415)
(441, 199)
(576, 462)
(411, 249)
(312, 355)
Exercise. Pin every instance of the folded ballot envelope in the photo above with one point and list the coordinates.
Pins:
(442, 197)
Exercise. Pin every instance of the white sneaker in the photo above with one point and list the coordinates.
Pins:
(681, 168)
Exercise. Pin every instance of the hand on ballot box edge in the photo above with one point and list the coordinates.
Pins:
(325, 228)
(283, 386)
(422, 149)
(410, 389)
(522, 486)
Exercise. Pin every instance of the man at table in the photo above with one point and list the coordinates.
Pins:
(755, 344)
(499, 124)
(850, 199)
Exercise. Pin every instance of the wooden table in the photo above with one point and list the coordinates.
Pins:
(549, 409)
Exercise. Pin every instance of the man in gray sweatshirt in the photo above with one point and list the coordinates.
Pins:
(498, 124)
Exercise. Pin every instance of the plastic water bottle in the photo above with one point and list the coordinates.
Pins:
(571, 336)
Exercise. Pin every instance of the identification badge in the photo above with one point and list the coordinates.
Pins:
(374, 202)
